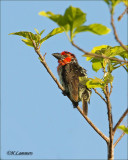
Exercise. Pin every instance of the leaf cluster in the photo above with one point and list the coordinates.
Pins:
(108, 51)
(30, 37)
(73, 20)
(106, 65)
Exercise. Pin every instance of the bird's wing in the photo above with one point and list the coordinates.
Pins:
(72, 79)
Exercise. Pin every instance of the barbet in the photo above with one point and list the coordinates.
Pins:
(69, 72)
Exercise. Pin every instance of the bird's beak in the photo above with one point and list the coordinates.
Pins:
(58, 56)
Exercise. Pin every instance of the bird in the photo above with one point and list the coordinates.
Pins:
(69, 72)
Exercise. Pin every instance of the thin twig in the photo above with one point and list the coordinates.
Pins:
(125, 68)
(93, 126)
(120, 120)
(110, 89)
(125, 11)
(100, 95)
(119, 139)
(44, 55)
(42, 59)
(115, 33)
(97, 55)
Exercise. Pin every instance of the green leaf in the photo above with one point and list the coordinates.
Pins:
(110, 51)
(88, 58)
(28, 42)
(94, 28)
(25, 34)
(105, 62)
(119, 51)
(46, 14)
(36, 31)
(42, 32)
(95, 83)
(96, 65)
(95, 50)
(74, 16)
(83, 80)
(59, 19)
(125, 2)
(52, 33)
(108, 78)
(114, 3)
(123, 128)
(98, 48)
(107, 1)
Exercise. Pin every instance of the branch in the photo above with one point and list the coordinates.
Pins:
(42, 59)
(115, 33)
(119, 139)
(110, 89)
(125, 68)
(120, 17)
(120, 120)
(93, 126)
(99, 95)
(97, 55)
(110, 145)
(45, 64)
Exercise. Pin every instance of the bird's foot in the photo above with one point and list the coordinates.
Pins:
(64, 93)
(75, 104)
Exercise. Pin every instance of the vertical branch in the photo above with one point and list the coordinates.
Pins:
(110, 144)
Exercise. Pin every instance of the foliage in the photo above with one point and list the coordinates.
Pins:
(106, 64)
(95, 83)
(123, 128)
(36, 37)
(108, 51)
(73, 20)
(113, 3)
(94, 28)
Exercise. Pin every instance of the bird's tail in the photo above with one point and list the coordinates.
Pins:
(85, 106)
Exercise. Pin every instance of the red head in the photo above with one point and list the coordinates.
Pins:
(64, 57)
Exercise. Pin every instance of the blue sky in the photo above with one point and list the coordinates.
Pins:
(36, 117)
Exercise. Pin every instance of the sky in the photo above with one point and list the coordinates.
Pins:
(35, 116)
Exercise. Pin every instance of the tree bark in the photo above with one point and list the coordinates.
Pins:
(111, 135)
(110, 151)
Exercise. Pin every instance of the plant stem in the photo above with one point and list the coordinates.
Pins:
(100, 95)
(119, 139)
(120, 120)
(111, 136)
(97, 55)
(125, 11)
(115, 34)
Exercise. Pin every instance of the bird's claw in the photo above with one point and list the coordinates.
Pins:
(64, 93)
